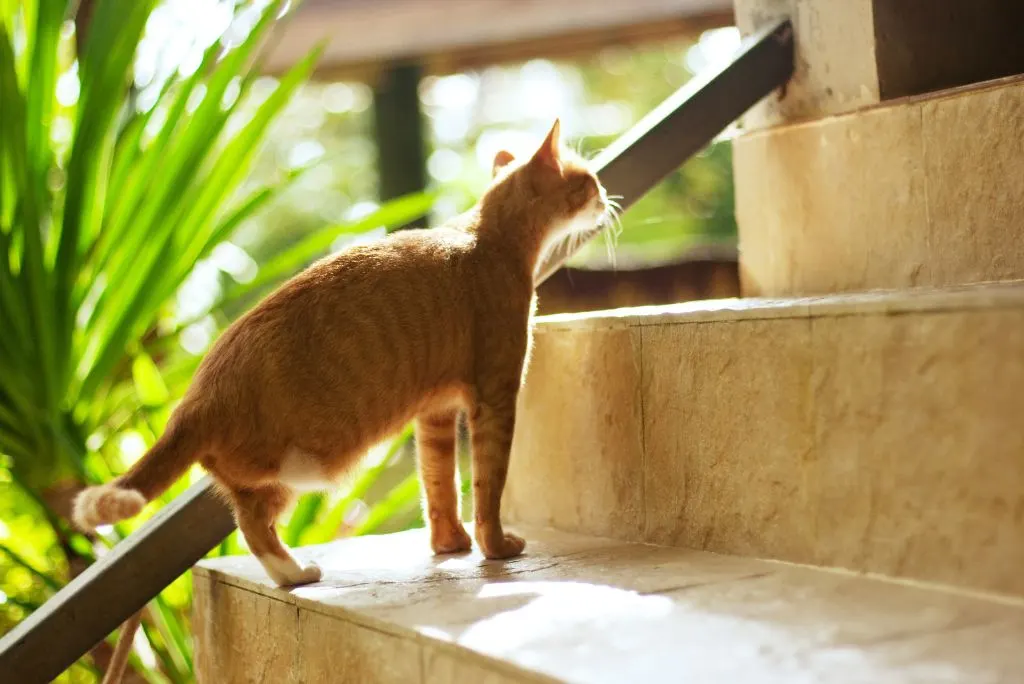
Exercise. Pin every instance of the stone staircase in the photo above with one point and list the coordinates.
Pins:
(875, 432)
(869, 444)
(821, 482)
(587, 609)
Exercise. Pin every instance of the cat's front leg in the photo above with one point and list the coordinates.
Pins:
(435, 450)
(492, 424)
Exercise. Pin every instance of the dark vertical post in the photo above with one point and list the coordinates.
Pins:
(398, 121)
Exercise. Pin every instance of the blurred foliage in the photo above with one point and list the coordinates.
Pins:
(118, 187)
(471, 115)
(147, 198)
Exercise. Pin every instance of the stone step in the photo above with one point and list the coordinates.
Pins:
(585, 609)
(921, 191)
(880, 432)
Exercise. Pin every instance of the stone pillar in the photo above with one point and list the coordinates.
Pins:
(895, 157)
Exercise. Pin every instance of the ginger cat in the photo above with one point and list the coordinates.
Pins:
(421, 325)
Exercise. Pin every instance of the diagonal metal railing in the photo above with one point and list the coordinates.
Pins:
(120, 583)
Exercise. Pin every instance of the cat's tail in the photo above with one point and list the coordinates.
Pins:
(151, 475)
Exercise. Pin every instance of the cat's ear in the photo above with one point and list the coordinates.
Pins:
(549, 155)
(503, 158)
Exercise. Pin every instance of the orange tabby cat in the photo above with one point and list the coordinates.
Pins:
(423, 324)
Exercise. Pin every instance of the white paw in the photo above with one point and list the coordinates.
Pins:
(310, 573)
(287, 573)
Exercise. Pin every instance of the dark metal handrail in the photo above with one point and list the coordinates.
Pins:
(120, 583)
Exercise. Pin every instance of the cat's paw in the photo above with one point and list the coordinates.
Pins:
(311, 572)
(293, 575)
(509, 546)
(450, 540)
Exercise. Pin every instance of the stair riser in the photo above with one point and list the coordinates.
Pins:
(890, 443)
(923, 192)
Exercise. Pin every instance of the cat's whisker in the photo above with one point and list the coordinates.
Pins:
(612, 219)
(609, 247)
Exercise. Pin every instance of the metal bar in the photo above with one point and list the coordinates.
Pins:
(113, 588)
(686, 122)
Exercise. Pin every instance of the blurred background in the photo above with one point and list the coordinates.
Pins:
(360, 146)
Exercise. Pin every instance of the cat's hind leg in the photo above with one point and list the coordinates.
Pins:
(435, 449)
(256, 511)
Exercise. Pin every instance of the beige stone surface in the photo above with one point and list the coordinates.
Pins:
(919, 458)
(918, 192)
(834, 63)
(877, 432)
(974, 145)
(245, 637)
(329, 650)
(248, 619)
(442, 666)
(728, 435)
(596, 434)
(856, 53)
(591, 610)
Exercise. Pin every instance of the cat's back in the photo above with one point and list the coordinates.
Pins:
(396, 304)
(400, 257)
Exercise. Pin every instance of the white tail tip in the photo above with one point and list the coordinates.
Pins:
(105, 505)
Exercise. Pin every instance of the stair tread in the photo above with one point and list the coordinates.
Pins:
(1007, 294)
(588, 609)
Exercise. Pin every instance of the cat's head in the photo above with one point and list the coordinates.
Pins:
(555, 186)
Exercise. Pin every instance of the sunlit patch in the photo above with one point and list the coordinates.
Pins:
(363, 238)
(444, 165)
(96, 440)
(305, 153)
(318, 592)
(339, 98)
(714, 47)
(490, 142)
(141, 645)
(68, 87)
(358, 511)
(198, 336)
(434, 633)
(550, 608)
(234, 261)
(462, 563)
(199, 292)
(104, 530)
(132, 446)
(542, 84)
(231, 94)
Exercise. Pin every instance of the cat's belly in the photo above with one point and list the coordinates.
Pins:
(315, 466)
(303, 472)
